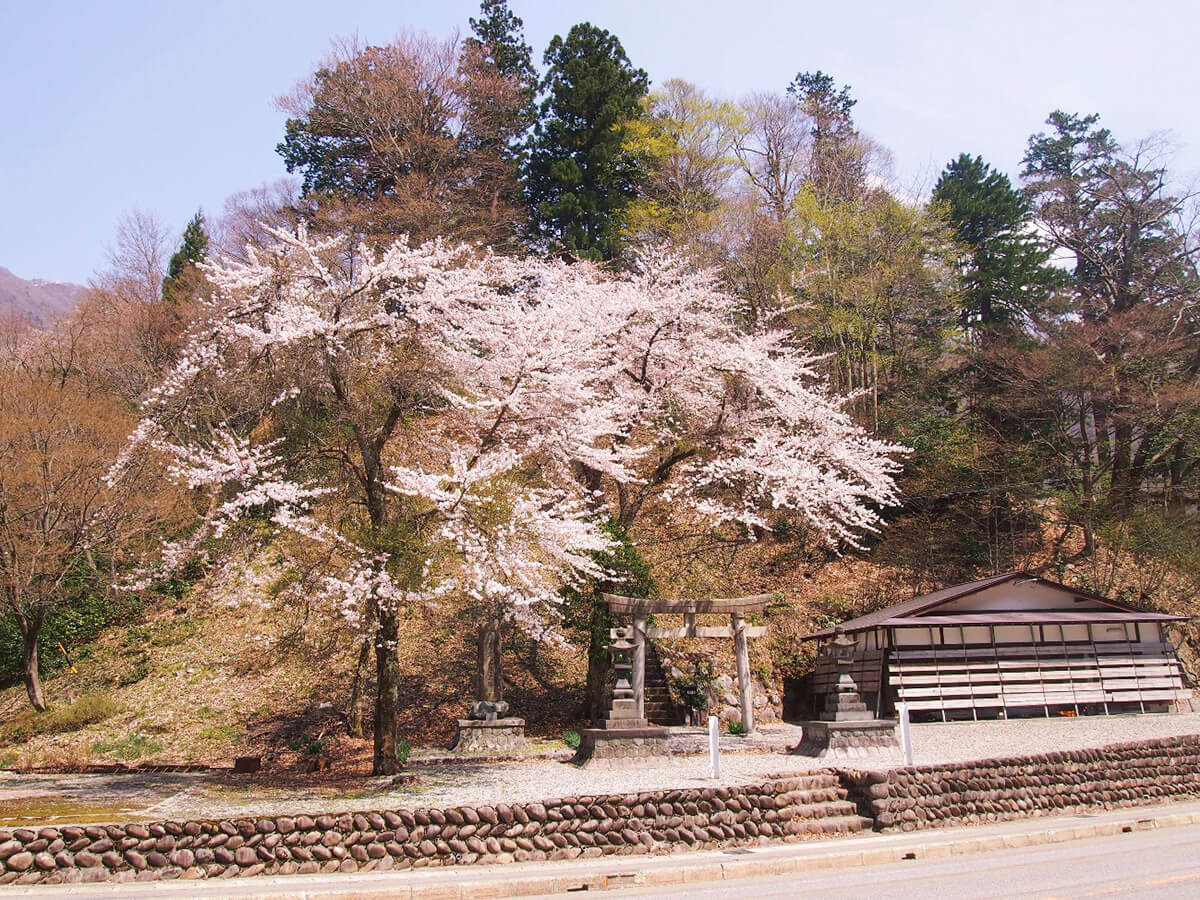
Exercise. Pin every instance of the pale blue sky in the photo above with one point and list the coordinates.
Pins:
(168, 106)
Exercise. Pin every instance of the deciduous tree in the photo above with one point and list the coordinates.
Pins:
(685, 144)
(60, 515)
(1112, 386)
(407, 138)
(453, 424)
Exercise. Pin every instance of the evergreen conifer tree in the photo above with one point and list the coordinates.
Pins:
(1006, 275)
(192, 250)
(580, 175)
(500, 32)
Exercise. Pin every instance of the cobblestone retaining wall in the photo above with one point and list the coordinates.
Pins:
(787, 807)
(994, 790)
(790, 808)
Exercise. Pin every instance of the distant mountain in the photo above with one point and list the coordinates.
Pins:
(37, 300)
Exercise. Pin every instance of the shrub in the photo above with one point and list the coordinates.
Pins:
(87, 710)
(309, 744)
(737, 728)
(571, 739)
(403, 749)
(693, 690)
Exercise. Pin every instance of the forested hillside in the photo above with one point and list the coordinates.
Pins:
(37, 301)
(525, 329)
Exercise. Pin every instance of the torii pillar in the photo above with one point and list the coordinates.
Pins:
(741, 649)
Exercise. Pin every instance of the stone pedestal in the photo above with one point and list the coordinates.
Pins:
(483, 737)
(620, 747)
(848, 740)
(626, 737)
(846, 728)
(845, 706)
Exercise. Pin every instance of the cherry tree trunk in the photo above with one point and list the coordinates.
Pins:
(355, 713)
(33, 680)
(387, 699)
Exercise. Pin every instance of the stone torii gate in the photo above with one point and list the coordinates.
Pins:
(737, 608)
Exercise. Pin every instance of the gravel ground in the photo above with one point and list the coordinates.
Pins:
(27, 798)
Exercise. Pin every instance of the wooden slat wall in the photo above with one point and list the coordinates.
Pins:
(865, 672)
(1035, 675)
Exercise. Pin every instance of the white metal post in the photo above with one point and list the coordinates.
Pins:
(905, 732)
(714, 745)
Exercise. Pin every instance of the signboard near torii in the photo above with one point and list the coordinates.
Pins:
(737, 608)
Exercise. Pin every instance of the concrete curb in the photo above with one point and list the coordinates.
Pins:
(614, 872)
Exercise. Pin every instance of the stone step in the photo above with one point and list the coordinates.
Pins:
(816, 781)
(813, 796)
(841, 824)
(825, 810)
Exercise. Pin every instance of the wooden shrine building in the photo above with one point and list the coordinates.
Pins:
(1010, 645)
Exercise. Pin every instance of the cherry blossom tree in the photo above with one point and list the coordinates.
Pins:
(449, 426)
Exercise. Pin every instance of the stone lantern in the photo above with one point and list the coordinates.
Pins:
(624, 712)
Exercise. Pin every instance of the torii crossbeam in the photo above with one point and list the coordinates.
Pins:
(736, 607)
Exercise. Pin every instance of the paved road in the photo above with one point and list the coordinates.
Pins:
(1163, 863)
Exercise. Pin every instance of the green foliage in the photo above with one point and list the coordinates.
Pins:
(309, 744)
(403, 750)
(837, 167)
(222, 733)
(1006, 271)
(683, 146)
(130, 747)
(571, 739)
(499, 32)
(580, 177)
(87, 710)
(628, 573)
(88, 607)
(737, 728)
(693, 690)
(192, 250)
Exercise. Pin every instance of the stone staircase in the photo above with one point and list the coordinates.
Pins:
(659, 708)
(819, 804)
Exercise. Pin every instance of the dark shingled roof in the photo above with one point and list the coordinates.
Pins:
(930, 601)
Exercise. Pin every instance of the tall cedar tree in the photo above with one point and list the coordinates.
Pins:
(837, 165)
(580, 176)
(499, 34)
(497, 63)
(1005, 270)
(192, 250)
(1006, 283)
